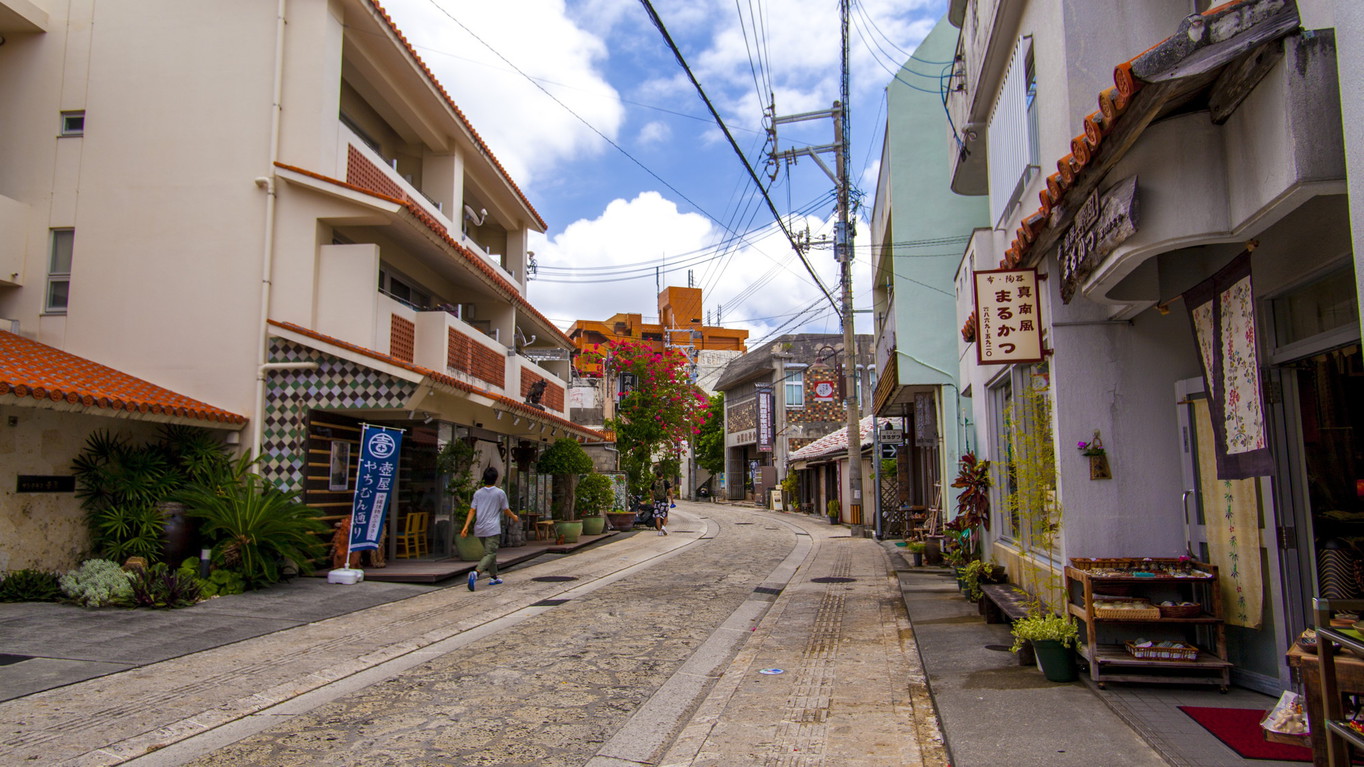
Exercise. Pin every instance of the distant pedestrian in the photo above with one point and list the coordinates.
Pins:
(486, 512)
(662, 493)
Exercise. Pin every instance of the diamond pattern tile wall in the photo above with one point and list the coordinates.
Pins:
(337, 384)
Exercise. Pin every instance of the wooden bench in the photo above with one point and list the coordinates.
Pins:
(1006, 603)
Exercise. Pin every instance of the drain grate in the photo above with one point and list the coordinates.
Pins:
(998, 647)
(6, 659)
(744, 523)
(832, 580)
(766, 590)
(549, 603)
(554, 578)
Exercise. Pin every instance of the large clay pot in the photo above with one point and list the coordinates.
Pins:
(621, 520)
(179, 535)
(569, 532)
(594, 525)
(469, 548)
(1057, 660)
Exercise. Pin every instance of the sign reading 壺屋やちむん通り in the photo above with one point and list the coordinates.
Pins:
(1010, 316)
(375, 484)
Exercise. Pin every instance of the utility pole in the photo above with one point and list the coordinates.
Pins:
(843, 254)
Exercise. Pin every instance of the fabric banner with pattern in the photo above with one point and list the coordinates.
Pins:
(1222, 312)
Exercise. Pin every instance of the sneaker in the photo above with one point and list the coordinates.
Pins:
(665, 529)
(495, 582)
(473, 579)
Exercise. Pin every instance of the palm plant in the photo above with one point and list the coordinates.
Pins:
(119, 485)
(257, 529)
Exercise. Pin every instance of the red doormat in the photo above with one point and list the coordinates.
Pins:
(1239, 729)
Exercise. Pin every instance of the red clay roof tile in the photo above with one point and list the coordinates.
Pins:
(32, 369)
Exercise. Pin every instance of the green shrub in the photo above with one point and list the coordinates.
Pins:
(30, 586)
(97, 583)
(219, 583)
(160, 586)
(1043, 627)
(595, 494)
(258, 530)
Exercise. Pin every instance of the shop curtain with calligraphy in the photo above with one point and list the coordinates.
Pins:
(1222, 313)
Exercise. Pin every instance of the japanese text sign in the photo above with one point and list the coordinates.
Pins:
(1010, 316)
(374, 485)
(765, 419)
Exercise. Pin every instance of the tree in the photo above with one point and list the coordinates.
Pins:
(710, 443)
(663, 412)
(565, 460)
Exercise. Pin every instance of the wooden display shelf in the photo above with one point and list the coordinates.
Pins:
(1079, 612)
(1112, 662)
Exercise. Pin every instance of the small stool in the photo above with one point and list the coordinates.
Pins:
(544, 530)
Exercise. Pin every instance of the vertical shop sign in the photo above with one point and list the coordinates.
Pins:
(374, 485)
(1010, 318)
(765, 424)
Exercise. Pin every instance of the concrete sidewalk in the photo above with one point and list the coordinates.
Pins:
(994, 711)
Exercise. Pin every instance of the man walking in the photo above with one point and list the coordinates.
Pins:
(488, 507)
(663, 495)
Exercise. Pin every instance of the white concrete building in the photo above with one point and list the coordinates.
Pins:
(1179, 152)
(274, 208)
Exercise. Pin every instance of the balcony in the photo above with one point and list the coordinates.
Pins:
(367, 169)
(13, 231)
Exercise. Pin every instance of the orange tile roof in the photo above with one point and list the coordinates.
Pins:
(508, 290)
(1084, 148)
(32, 369)
(445, 380)
(458, 112)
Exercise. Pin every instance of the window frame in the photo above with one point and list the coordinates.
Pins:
(794, 380)
(65, 126)
(58, 277)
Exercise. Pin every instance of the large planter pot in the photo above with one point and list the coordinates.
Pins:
(621, 520)
(469, 548)
(595, 525)
(1056, 660)
(569, 532)
(179, 535)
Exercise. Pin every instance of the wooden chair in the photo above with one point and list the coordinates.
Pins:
(412, 542)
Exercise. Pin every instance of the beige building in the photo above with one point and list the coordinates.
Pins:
(274, 208)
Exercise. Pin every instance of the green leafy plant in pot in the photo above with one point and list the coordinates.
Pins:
(1053, 638)
(978, 572)
(565, 460)
(593, 497)
(915, 549)
(456, 461)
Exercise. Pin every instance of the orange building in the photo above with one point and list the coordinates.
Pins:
(680, 324)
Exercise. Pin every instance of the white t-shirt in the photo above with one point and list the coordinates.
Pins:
(488, 504)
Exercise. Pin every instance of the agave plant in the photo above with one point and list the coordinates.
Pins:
(258, 530)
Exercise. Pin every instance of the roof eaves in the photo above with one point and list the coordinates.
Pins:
(459, 113)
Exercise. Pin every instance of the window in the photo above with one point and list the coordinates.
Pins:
(59, 270)
(1026, 490)
(403, 289)
(1012, 136)
(73, 123)
(795, 389)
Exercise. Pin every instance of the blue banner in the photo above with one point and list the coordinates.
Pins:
(374, 485)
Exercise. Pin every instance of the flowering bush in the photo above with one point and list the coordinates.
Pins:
(663, 412)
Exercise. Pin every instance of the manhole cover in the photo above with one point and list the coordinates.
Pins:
(832, 580)
(998, 647)
(554, 578)
(549, 603)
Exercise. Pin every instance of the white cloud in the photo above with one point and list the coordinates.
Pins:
(527, 131)
(654, 133)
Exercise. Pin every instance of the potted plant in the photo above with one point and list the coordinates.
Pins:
(976, 572)
(834, 509)
(456, 461)
(565, 460)
(593, 497)
(916, 551)
(1053, 639)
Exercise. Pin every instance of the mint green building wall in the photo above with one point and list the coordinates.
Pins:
(924, 210)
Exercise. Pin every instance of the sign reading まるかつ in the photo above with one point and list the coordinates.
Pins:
(1010, 320)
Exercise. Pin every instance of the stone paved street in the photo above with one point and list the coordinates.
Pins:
(653, 657)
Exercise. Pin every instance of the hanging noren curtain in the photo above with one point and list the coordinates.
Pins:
(1222, 312)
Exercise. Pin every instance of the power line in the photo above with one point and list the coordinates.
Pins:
(658, 22)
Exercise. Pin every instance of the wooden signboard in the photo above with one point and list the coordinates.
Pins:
(1010, 317)
(1101, 224)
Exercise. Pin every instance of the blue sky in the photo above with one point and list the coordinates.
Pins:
(596, 121)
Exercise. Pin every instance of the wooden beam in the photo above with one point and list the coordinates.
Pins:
(1240, 78)
(1204, 42)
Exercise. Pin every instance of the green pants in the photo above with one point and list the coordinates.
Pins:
(488, 564)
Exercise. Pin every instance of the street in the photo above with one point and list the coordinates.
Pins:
(654, 653)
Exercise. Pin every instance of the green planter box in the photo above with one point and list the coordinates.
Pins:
(594, 525)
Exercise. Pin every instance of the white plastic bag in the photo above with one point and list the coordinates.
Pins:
(1286, 718)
